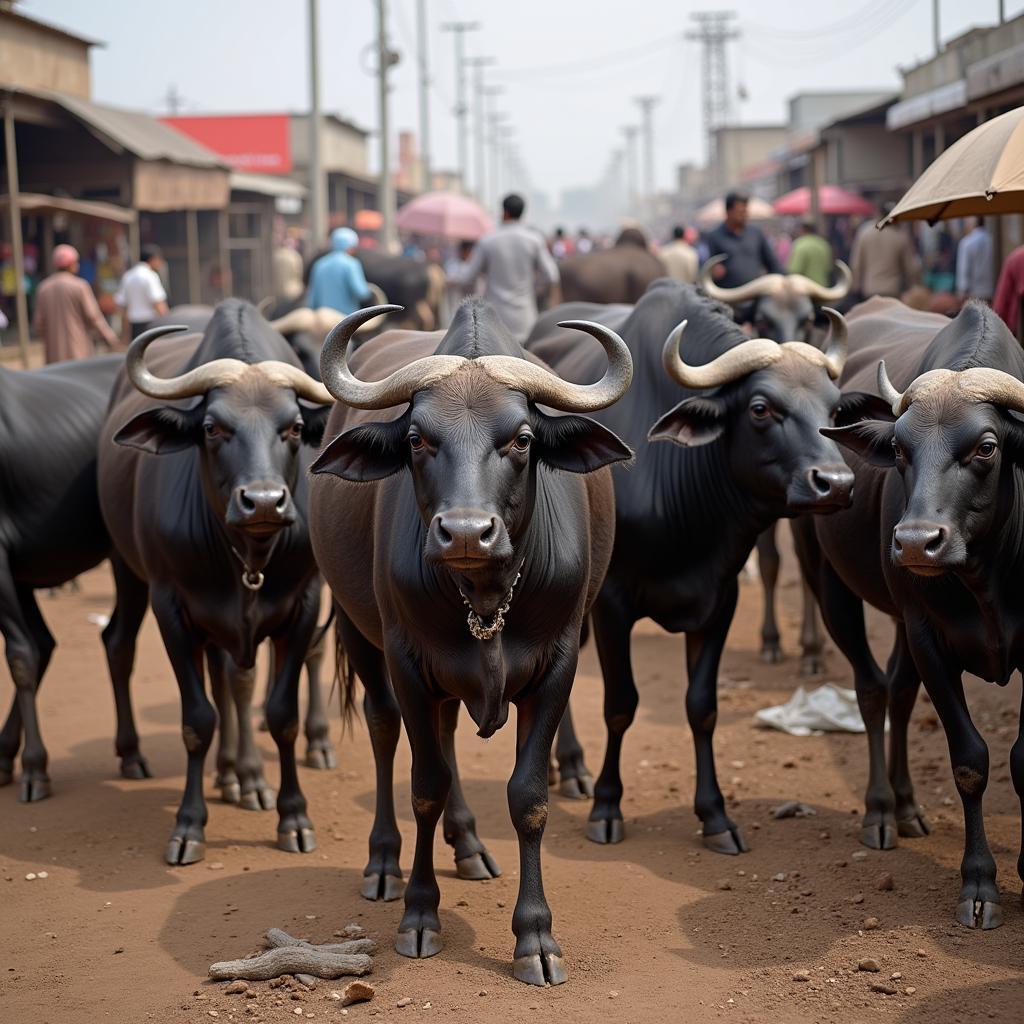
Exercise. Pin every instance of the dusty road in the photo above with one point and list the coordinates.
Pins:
(655, 929)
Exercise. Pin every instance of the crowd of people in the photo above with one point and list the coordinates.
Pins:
(516, 269)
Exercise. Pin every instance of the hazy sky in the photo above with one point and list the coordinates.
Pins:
(569, 67)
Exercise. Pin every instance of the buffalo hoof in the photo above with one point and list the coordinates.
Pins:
(983, 914)
(730, 842)
(231, 792)
(914, 827)
(879, 837)
(321, 755)
(419, 943)
(296, 840)
(386, 888)
(545, 969)
(34, 788)
(605, 830)
(577, 787)
(771, 653)
(182, 850)
(262, 797)
(811, 665)
(134, 766)
(478, 867)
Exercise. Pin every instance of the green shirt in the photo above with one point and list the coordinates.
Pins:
(811, 256)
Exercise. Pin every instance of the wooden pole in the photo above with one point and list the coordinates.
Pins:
(21, 304)
(192, 244)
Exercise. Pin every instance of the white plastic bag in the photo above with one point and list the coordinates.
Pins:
(829, 708)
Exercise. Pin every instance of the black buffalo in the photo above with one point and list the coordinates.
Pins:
(746, 450)
(934, 539)
(464, 540)
(206, 505)
(51, 530)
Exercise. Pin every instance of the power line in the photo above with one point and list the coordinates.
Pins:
(713, 30)
(588, 64)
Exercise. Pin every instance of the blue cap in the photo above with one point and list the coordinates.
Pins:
(344, 239)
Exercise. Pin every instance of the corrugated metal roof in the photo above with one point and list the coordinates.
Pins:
(268, 185)
(138, 133)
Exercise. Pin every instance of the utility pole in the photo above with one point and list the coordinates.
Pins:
(497, 121)
(424, 79)
(386, 186)
(713, 30)
(317, 206)
(630, 131)
(478, 64)
(646, 104)
(489, 196)
(174, 100)
(460, 28)
(936, 33)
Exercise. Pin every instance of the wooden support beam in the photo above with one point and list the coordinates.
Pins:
(20, 302)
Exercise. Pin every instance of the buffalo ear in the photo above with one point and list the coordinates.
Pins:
(577, 444)
(870, 439)
(862, 405)
(693, 422)
(314, 419)
(160, 431)
(371, 451)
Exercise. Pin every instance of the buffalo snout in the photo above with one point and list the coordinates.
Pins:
(822, 488)
(925, 547)
(261, 506)
(464, 538)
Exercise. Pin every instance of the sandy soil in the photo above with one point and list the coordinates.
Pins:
(655, 929)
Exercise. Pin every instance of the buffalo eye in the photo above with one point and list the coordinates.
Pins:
(986, 450)
(212, 430)
(416, 443)
(760, 409)
(294, 431)
(522, 442)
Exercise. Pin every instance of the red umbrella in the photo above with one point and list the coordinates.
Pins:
(445, 214)
(831, 198)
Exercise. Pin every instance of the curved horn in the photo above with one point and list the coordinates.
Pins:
(835, 343)
(285, 375)
(541, 385)
(887, 391)
(763, 285)
(301, 319)
(732, 364)
(392, 390)
(196, 381)
(819, 293)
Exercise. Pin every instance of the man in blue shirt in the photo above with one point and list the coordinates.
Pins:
(337, 280)
(749, 254)
(975, 271)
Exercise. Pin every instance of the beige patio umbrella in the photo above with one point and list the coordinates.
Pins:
(981, 173)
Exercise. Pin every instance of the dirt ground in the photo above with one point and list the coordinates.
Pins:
(655, 929)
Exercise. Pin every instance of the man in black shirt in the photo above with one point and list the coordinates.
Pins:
(748, 250)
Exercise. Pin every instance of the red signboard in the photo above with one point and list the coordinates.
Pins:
(257, 142)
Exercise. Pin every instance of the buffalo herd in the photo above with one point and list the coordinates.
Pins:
(479, 508)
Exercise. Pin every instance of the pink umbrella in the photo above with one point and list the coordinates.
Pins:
(831, 198)
(445, 214)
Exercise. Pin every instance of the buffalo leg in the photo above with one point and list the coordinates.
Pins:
(537, 957)
(119, 640)
(904, 683)
(703, 653)
(1017, 773)
(294, 829)
(227, 727)
(419, 931)
(768, 568)
(812, 662)
(319, 749)
(382, 877)
(843, 613)
(978, 902)
(612, 625)
(198, 721)
(472, 860)
(29, 647)
(255, 793)
(575, 780)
